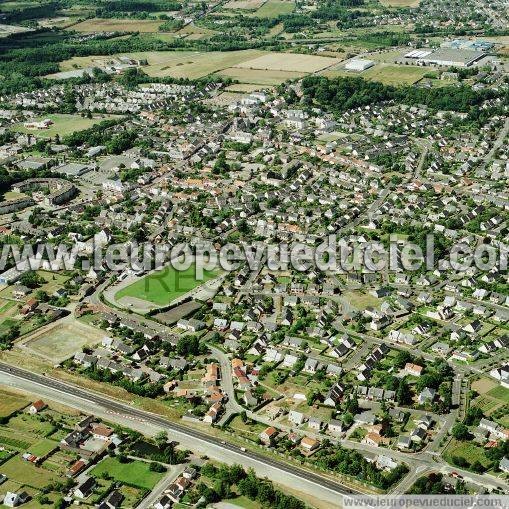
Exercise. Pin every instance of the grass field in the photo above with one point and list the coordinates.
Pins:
(500, 393)
(164, 286)
(244, 502)
(26, 473)
(118, 25)
(13, 5)
(62, 340)
(361, 300)
(29, 426)
(192, 31)
(10, 402)
(259, 77)
(135, 473)
(244, 88)
(43, 447)
(273, 8)
(63, 125)
(53, 280)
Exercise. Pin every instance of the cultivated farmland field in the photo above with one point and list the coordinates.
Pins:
(118, 25)
(11, 402)
(179, 64)
(164, 286)
(248, 66)
(290, 62)
(244, 4)
(400, 3)
(273, 8)
(259, 77)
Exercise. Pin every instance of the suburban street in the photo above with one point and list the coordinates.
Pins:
(145, 422)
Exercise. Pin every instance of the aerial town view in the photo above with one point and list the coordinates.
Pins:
(254, 254)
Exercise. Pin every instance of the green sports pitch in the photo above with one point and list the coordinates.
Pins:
(164, 286)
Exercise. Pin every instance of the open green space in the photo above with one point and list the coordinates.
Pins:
(134, 473)
(10, 403)
(43, 447)
(25, 424)
(500, 393)
(25, 472)
(164, 286)
(63, 125)
(274, 8)
(469, 451)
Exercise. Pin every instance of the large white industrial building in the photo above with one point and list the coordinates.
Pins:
(359, 64)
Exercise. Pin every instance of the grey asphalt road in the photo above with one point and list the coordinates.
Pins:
(146, 422)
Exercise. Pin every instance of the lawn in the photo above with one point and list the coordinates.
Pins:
(6, 305)
(63, 125)
(274, 8)
(43, 447)
(22, 471)
(500, 393)
(467, 450)
(244, 502)
(164, 286)
(11, 402)
(53, 280)
(135, 473)
(30, 425)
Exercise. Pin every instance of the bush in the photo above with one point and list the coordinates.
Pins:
(157, 467)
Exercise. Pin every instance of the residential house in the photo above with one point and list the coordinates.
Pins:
(85, 489)
(37, 406)
(296, 418)
(268, 435)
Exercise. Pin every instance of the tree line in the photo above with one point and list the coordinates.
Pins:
(345, 93)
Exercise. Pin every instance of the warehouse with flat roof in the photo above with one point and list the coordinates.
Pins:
(359, 64)
(451, 57)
